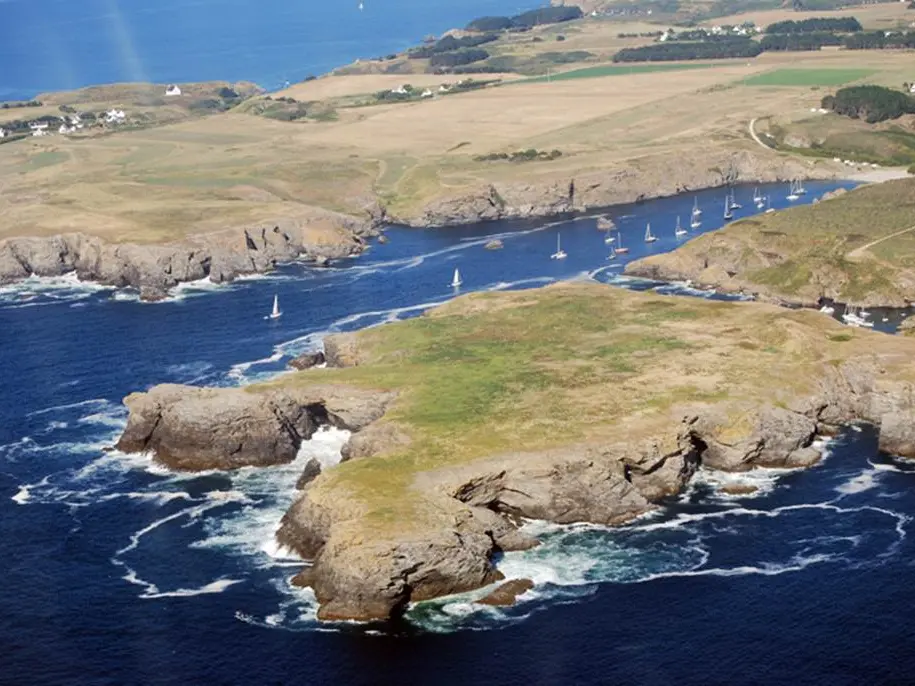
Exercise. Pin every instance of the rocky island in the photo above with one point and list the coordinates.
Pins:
(572, 403)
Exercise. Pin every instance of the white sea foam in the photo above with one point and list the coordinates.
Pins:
(860, 483)
(217, 586)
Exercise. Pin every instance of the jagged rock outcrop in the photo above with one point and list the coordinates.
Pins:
(341, 350)
(193, 429)
(307, 360)
(507, 593)
(154, 269)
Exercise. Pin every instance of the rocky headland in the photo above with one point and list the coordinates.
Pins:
(573, 403)
(855, 247)
(154, 269)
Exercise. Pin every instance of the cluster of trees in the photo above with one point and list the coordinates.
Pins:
(526, 20)
(879, 40)
(799, 41)
(24, 103)
(816, 25)
(457, 58)
(672, 51)
(520, 156)
(871, 103)
(649, 34)
(449, 44)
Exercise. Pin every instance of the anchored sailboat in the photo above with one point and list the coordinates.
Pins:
(605, 224)
(560, 253)
(792, 192)
(456, 279)
(649, 238)
(757, 198)
(679, 231)
(769, 205)
(799, 189)
(732, 202)
(696, 211)
(620, 250)
(275, 314)
(727, 208)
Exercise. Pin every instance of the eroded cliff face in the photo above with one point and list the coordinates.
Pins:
(463, 515)
(194, 429)
(643, 179)
(154, 269)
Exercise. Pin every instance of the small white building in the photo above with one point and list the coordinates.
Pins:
(427, 93)
(400, 90)
(444, 88)
(39, 128)
(115, 116)
(2, 133)
(912, 87)
(172, 90)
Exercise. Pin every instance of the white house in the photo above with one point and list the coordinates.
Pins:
(427, 93)
(115, 116)
(172, 90)
(912, 87)
(444, 88)
(2, 133)
(400, 90)
(39, 128)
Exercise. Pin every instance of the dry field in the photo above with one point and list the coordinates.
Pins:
(886, 15)
(231, 169)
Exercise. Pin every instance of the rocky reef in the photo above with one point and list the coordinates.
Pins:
(422, 503)
(154, 269)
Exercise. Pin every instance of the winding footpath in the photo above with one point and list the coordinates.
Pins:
(754, 136)
(858, 252)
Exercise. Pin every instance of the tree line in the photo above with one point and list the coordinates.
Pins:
(799, 41)
(870, 103)
(449, 44)
(527, 20)
(816, 25)
(880, 41)
(673, 51)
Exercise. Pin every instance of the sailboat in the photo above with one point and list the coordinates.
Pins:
(757, 198)
(649, 238)
(732, 202)
(761, 202)
(696, 211)
(727, 208)
(605, 224)
(679, 231)
(275, 314)
(799, 189)
(792, 193)
(769, 209)
(620, 250)
(456, 279)
(560, 253)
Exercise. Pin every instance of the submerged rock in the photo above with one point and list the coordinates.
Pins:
(494, 244)
(506, 594)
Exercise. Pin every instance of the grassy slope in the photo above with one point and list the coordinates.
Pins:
(824, 243)
(493, 373)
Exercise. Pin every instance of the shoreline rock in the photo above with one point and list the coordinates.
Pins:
(471, 511)
(156, 268)
(507, 594)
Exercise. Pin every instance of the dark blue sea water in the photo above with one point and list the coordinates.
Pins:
(58, 44)
(115, 572)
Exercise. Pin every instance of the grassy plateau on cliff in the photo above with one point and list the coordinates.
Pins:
(859, 247)
(490, 374)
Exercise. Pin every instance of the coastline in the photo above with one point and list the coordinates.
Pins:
(224, 255)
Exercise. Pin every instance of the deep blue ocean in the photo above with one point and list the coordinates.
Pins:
(117, 572)
(59, 44)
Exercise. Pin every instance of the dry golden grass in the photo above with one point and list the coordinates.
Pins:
(231, 169)
(884, 15)
(332, 87)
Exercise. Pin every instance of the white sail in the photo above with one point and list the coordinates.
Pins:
(648, 237)
(727, 208)
(560, 253)
(679, 231)
(456, 279)
(275, 313)
(696, 211)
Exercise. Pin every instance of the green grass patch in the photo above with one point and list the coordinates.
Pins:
(615, 70)
(807, 77)
(44, 159)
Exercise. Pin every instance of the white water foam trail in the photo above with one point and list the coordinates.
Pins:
(41, 290)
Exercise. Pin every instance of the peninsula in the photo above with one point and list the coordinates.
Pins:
(572, 403)
(856, 248)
